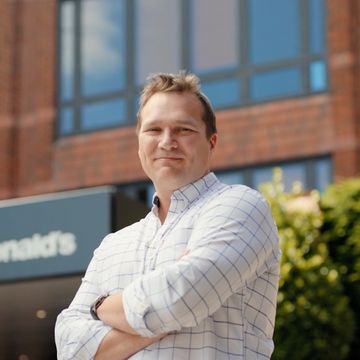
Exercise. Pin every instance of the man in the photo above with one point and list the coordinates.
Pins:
(197, 278)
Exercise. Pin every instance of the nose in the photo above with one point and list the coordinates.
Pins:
(168, 140)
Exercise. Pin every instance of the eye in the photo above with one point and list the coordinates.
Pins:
(152, 130)
(186, 130)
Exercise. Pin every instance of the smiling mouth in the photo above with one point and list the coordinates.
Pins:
(170, 158)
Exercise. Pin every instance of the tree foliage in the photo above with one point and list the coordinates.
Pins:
(341, 229)
(312, 305)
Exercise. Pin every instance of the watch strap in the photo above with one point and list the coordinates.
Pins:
(95, 305)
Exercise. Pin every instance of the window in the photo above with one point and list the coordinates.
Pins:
(292, 173)
(214, 46)
(245, 51)
(157, 37)
(276, 83)
(102, 47)
(274, 31)
(93, 65)
(143, 192)
(311, 173)
(265, 50)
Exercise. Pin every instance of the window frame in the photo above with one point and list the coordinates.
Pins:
(78, 100)
(242, 73)
(309, 167)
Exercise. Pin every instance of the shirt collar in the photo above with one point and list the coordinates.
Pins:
(183, 197)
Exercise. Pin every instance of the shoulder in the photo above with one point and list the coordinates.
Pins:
(235, 200)
(237, 196)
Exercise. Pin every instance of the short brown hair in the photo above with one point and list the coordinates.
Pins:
(180, 82)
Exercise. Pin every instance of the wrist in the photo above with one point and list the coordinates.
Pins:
(95, 306)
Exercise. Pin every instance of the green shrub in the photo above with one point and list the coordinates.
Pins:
(312, 308)
(341, 228)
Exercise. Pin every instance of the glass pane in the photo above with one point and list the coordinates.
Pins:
(317, 76)
(150, 194)
(103, 46)
(103, 114)
(317, 26)
(222, 93)
(275, 84)
(274, 30)
(66, 121)
(230, 178)
(291, 173)
(214, 34)
(136, 101)
(323, 174)
(157, 37)
(138, 192)
(66, 49)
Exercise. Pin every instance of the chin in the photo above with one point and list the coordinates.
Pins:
(172, 181)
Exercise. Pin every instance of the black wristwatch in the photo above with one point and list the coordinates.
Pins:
(95, 306)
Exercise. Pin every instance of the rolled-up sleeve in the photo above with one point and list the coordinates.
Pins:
(234, 241)
(77, 334)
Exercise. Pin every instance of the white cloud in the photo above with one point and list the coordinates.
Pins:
(99, 54)
(99, 34)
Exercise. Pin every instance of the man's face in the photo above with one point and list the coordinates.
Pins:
(173, 148)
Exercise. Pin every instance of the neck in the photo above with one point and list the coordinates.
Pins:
(165, 200)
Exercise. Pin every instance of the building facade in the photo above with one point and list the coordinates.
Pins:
(283, 76)
(285, 86)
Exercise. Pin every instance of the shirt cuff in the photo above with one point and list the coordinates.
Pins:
(135, 310)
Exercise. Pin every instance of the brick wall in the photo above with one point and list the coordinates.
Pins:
(7, 40)
(27, 91)
(274, 131)
(344, 67)
(32, 161)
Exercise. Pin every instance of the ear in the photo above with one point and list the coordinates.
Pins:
(213, 141)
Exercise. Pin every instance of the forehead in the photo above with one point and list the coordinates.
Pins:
(172, 105)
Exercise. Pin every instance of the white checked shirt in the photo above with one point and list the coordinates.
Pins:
(218, 301)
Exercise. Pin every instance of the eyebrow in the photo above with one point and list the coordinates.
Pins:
(183, 122)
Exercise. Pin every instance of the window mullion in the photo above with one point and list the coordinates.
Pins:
(243, 51)
(304, 43)
(77, 72)
(185, 38)
(130, 60)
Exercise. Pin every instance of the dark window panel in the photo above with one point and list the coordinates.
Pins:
(150, 191)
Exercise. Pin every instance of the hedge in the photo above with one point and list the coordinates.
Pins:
(341, 229)
(314, 317)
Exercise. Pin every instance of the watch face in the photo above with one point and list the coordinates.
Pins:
(95, 306)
